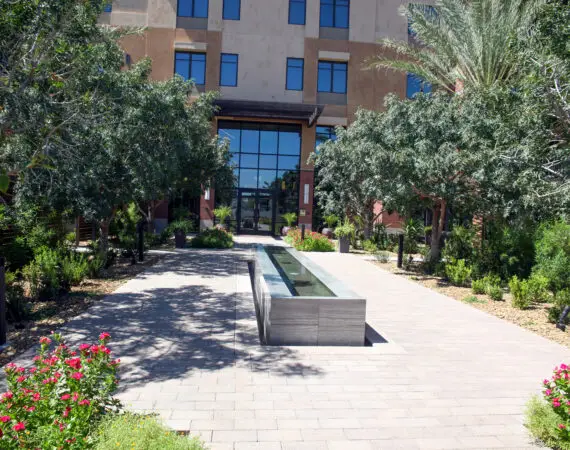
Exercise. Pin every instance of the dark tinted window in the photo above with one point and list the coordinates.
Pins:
(228, 69)
(193, 8)
(295, 74)
(191, 66)
(232, 9)
(297, 12)
(335, 13)
(332, 77)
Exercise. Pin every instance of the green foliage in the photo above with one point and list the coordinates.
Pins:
(126, 220)
(96, 265)
(128, 431)
(459, 244)
(383, 257)
(538, 288)
(413, 229)
(457, 272)
(519, 291)
(478, 287)
(331, 220)
(289, 218)
(43, 274)
(70, 239)
(542, 422)
(17, 309)
(185, 226)
(472, 299)
(213, 238)
(222, 213)
(553, 254)
(380, 236)
(495, 292)
(74, 269)
(313, 242)
(345, 230)
(369, 246)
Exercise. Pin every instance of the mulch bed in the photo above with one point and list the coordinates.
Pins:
(534, 319)
(48, 316)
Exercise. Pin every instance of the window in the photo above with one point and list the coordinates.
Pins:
(332, 77)
(294, 74)
(324, 134)
(231, 9)
(334, 13)
(191, 66)
(108, 7)
(193, 8)
(297, 12)
(416, 85)
(228, 69)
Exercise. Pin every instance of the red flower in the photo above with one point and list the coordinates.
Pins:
(30, 408)
(94, 349)
(66, 412)
(36, 397)
(65, 397)
(105, 350)
(84, 347)
(45, 340)
(33, 370)
(77, 376)
(19, 426)
(5, 419)
(104, 336)
(562, 426)
(75, 396)
(7, 395)
(75, 363)
(84, 402)
(21, 379)
(10, 367)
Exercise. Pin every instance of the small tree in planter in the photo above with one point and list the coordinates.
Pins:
(222, 214)
(331, 220)
(344, 233)
(290, 218)
(180, 228)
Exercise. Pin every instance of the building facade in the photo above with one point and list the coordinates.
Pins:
(288, 72)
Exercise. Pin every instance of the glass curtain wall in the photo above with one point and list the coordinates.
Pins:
(266, 158)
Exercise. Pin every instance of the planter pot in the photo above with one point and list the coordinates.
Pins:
(180, 239)
(344, 244)
(328, 232)
(285, 230)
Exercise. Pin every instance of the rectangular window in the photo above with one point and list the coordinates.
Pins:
(332, 77)
(416, 85)
(335, 13)
(324, 134)
(232, 9)
(295, 74)
(108, 7)
(193, 8)
(297, 12)
(191, 66)
(229, 69)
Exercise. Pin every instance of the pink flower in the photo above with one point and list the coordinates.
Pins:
(77, 376)
(104, 336)
(45, 340)
(75, 396)
(84, 347)
(7, 395)
(33, 370)
(10, 367)
(30, 408)
(562, 426)
(548, 392)
(66, 412)
(74, 363)
(94, 349)
(556, 403)
(563, 367)
(19, 426)
(84, 402)
(105, 350)
(36, 397)
(65, 397)
(21, 379)
(5, 419)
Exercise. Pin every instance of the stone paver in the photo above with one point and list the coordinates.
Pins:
(449, 376)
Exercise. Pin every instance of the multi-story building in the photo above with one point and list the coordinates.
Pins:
(288, 72)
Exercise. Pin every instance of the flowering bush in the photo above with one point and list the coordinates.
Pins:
(313, 242)
(58, 402)
(549, 420)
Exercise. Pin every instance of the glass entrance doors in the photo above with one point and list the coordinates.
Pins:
(256, 211)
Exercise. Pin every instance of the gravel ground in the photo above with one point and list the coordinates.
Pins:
(534, 319)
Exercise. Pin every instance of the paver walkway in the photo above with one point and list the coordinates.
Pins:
(450, 376)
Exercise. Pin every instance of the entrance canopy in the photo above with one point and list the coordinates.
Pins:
(269, 110)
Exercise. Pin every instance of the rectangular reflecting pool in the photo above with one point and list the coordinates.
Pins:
(298, 303)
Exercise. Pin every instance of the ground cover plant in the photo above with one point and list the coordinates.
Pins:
(313, 241)
(213, 238)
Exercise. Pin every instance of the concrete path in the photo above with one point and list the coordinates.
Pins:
(449, 376)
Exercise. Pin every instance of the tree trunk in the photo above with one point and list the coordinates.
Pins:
(437, 225)
(104, 240)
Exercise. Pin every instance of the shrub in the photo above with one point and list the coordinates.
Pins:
(345, 230)
(538, 288)
(561, 300)
(222, 213)
(549, 420)
(478, 286)
(495, 292)
(313, 242)
(128, 431)
(519, 292)
(369, 246)
(380, 236)
(213, 238)
(459, 244)
(413, 229)
(383, 257)
(289, 218)
(185, 226)
(16, 307)
(472, 299)
(43, 274)
(74, 268)
(457, 272)
(60, 400)
(331, 220)
(553, 254)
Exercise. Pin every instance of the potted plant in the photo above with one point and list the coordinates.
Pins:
(331, 220)
(344, 233)
(222, 213)
(290, 218)
(180, 228)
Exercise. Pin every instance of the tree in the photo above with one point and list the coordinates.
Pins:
(460, 40)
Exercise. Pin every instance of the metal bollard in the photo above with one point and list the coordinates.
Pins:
(3, 324)
(400, 251)
(303, 232)
(561, 325)
(140, 227)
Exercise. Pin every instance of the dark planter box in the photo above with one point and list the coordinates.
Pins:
(328, 232)
(180, 239)
(344, 244)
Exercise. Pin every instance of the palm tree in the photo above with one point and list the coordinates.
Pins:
(471, 41)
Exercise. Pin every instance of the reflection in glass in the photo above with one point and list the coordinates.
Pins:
(266, 179)
(248, 161)
(233, 136)
(268, 142)
(267, 162)
(250, 140)
(288, 163)
(289, 143)
(248, 178)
